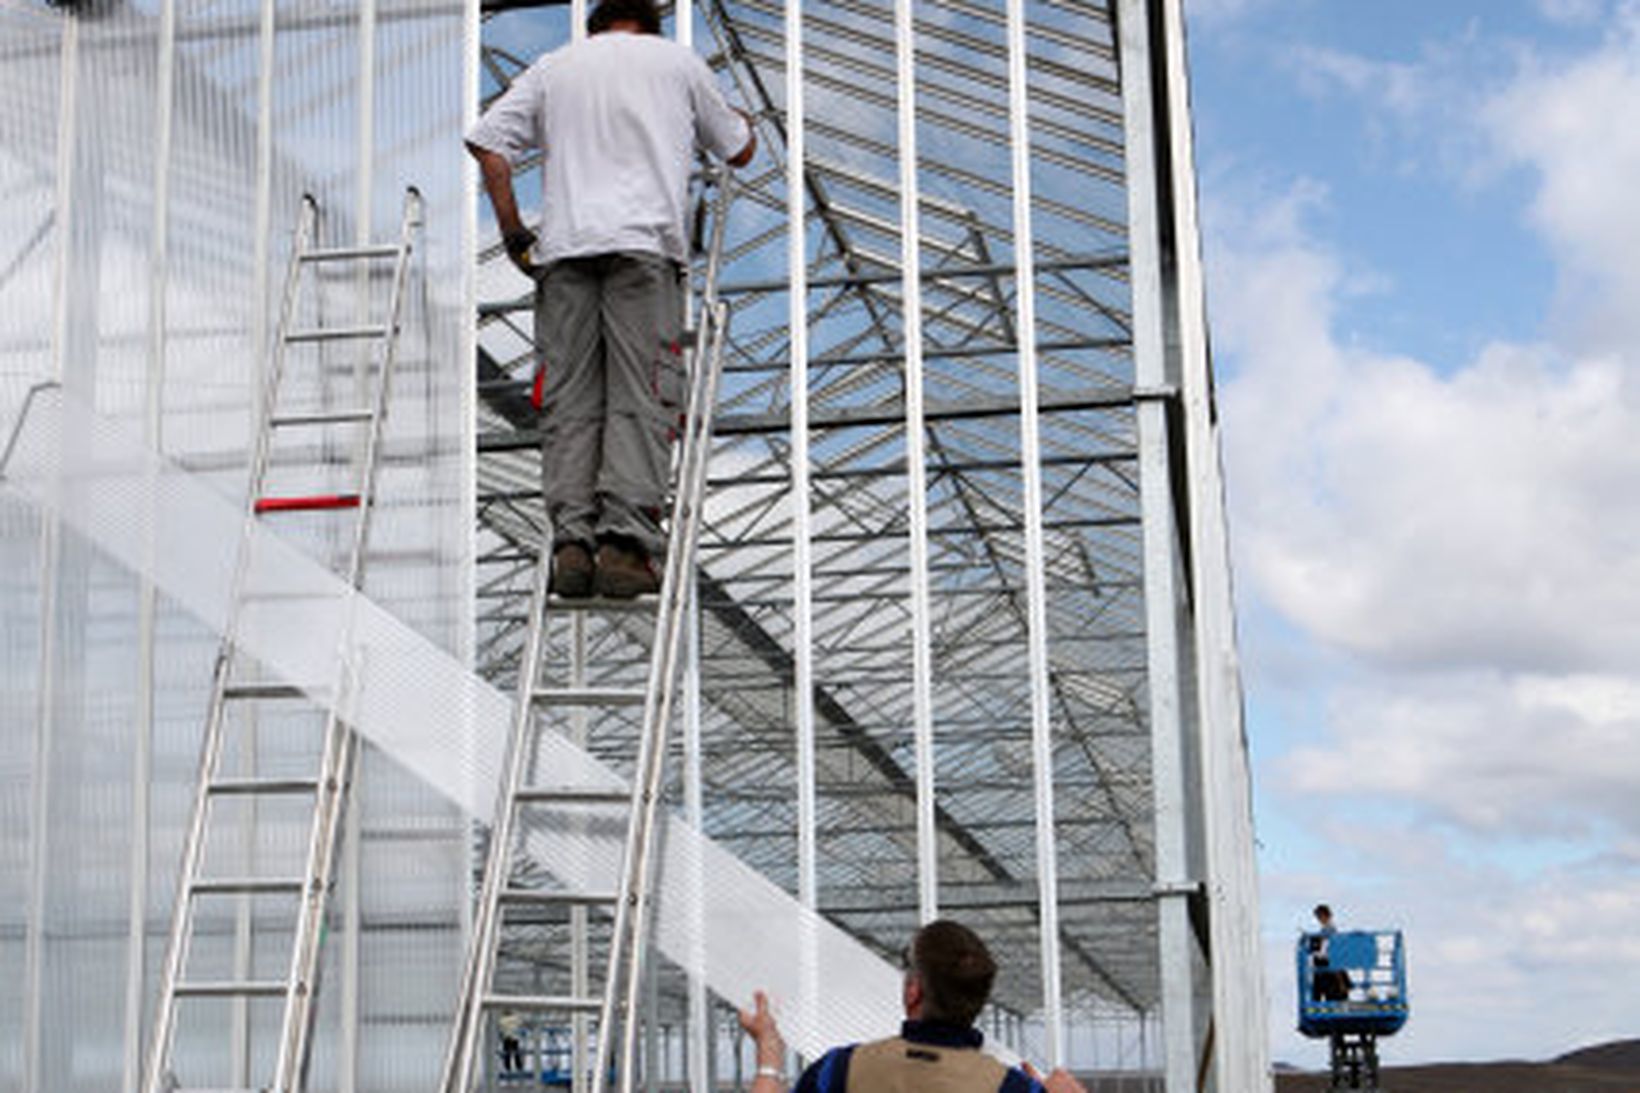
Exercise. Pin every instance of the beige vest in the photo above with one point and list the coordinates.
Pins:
(900, 1066)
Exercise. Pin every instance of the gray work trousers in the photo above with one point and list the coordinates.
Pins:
(609, 330)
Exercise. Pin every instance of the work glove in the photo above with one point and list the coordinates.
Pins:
(518, 243)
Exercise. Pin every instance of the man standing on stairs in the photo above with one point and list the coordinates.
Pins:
(618, 118)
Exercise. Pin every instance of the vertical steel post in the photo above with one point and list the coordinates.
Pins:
(1047, 855)
(808, 884)
(34, 955)
(1239, 1045)
(364, 151)
(468, 350)
(347, 1062)
(261, 250)
(148, 600)
(1160, 548)
(262, 227)
(40, 811)
(802, 557)
(922, 699)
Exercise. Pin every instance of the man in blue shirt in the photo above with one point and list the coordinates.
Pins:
(948, 978)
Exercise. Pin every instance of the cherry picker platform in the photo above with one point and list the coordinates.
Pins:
(1352, 989)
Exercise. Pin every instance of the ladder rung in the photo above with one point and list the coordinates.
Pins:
(524, 897)
(337, 334)
(237, 886)
(321, 417)
(308, 503)
(542, 795)
(224, 787)
(342, 254)
(231, 988)
(589, 696)
(262, 690)
(601, 604)
(543, 1002)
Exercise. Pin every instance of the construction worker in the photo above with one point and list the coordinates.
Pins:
(948, 977)
(1328, 984)
(510, 1025)
(618, 117)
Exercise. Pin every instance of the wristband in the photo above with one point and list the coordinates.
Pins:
(774, 1072)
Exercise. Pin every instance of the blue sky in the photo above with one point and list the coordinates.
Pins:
(1423, 258)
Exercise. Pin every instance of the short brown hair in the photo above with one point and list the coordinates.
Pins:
(956, 971)
(610, 12)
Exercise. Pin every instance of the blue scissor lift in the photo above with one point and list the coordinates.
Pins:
(1352, 989)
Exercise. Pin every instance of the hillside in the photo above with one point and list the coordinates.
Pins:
(1604, 1068)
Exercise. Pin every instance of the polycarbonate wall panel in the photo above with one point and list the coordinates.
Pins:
(149, 284)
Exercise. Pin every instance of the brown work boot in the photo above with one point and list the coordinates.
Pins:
(572, 571)
(624, 571)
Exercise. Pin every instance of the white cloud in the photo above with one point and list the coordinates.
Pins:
(1414, 518)
(1467, 542)
(1570, 125)
(1572, 12)
(1399, 86)
(1524, 755)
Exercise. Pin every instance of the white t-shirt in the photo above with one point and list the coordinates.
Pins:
(619, 116)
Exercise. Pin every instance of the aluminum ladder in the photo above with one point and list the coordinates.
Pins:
(239, 695)
(615, 1005)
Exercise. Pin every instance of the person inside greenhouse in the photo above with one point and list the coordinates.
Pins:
(617, 118)
(947, 981)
